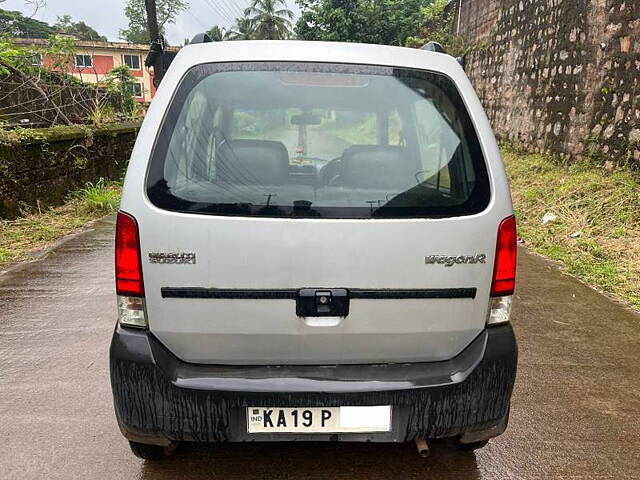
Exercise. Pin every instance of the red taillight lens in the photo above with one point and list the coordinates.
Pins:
(504, 270)
(128, 264)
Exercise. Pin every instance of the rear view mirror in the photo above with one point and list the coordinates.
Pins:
(306, 119)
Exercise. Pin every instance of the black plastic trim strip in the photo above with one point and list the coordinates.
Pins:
(290, 294)
(200, 292)
(411, 293)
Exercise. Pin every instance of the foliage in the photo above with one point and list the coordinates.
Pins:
(436, 24)
(17, 25)
(242, 30)
(20, 239)
(101, 197)
(35, 95)
(80, 29)
(60, 51)
(120, 80)
(135, 11)
(387, 22)
(263, 20)
(596, 236)
(9, 54)
(102, 114)
(410, 23)
(270, 19)
(330, 20)
(217, 33)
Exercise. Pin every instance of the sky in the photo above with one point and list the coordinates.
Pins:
(107, 16)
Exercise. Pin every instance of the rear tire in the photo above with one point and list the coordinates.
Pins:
(471, 446)
(152, 452)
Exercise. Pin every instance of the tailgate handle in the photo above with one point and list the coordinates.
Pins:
(322, 302)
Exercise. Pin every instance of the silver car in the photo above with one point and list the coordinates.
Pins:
(316, 242)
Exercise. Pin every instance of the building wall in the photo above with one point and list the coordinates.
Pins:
(105, 60)
(106, 56)
(560, 76)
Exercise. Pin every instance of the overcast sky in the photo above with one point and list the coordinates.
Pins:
(107, 16)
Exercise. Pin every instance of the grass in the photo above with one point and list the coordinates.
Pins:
(596, 236)
(20, 238)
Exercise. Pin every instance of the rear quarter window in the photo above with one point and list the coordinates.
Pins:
(317, 140)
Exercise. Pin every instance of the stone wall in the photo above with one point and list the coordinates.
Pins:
(559, 76)
(41, 166)
(477, 18)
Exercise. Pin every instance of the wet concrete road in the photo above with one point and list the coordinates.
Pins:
(575, 411)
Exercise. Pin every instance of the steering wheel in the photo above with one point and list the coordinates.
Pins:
(330, 171)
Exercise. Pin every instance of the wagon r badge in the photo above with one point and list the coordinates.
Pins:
(450, 260)
(172, 258)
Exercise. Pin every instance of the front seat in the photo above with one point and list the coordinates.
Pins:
(383, 167)
(253, 162)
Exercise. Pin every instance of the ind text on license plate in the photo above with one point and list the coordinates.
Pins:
(319, 419)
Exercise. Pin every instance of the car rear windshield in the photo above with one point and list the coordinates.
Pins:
(318, 141)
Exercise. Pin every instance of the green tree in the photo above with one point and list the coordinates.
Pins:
(436, 24)
(242, 30)
(387, 22)
(17, 25)
(218, 34)
(136, 13)
(271, 19)
(60, 51)
(120, 81)
(10, 55)
(331, 20)
(80, 29)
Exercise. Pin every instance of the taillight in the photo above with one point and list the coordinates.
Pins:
(504, 270)
(128, 261)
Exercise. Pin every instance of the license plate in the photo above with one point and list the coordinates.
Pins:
(319, 419)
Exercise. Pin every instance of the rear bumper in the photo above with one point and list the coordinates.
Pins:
(158, 398)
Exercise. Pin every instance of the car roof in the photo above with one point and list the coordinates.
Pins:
(324, 52)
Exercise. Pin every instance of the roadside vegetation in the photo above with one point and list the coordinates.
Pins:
(583, 215)
(37, 93)
(20, 239)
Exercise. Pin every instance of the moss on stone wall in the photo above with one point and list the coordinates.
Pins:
(39, 167)
(28, 136)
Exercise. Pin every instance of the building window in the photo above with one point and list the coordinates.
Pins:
(138, 91)
(132, 61)
(84, 61)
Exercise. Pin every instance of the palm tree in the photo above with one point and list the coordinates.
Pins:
(242, 30)
(218, 34)
(271, 19)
